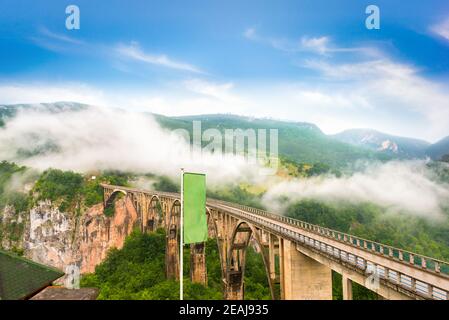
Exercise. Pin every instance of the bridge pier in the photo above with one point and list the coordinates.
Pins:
(172, 256)
(172, 247)
(198, 270)
(302, 277)
(347, 288)
(273, 247)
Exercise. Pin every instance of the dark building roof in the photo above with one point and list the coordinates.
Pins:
(59, 293)
(20, 278)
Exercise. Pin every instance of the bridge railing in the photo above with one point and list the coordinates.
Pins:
(394, 277)
(414, 259)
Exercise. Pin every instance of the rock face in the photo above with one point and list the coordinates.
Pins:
(99, 233)
(74, 243)
(49, 235)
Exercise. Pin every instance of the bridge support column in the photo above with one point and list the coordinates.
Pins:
(172, 258)
(302, 277)
(347, 288)
(172, 244)
(272, 256)
(198, 271)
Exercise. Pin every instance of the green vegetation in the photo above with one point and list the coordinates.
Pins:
(358, 292)
(165, 184)
(72, 190)
(93, 192)
(236, 194)
(7, 196)
(60, 186)
(13, 229)
(137, 271)
(129, 273)
(306, 170)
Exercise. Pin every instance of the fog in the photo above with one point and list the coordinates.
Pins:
(103, 138)
(21, 181)
(398, 186)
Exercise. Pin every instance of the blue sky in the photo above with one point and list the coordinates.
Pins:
(294, 60)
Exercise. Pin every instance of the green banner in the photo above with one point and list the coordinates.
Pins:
(195, 219)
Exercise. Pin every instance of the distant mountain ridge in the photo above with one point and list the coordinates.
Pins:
(403, 147)
(298, 141)
(378, 141)
(439, 149)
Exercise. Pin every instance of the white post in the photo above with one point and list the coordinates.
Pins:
(181, 240)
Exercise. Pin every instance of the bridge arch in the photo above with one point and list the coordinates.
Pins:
(214, 233)
(155, 214)
(112, 197)
(235, 266)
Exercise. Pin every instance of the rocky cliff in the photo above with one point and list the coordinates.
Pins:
(69, 242)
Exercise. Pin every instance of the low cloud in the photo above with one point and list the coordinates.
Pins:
(22, 181)
(104, 138)
(406, 187)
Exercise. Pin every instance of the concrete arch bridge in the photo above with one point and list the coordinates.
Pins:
(298, 256)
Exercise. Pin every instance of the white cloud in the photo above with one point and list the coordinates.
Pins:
(441, 29)
(319, 45)
(361, 70)
(105, 138)
(62, 43)
(16, 93)
(398, 186)
(134, 52)
(221, 91)
(380, 94)
(250, 33)
(59, 42)
(393, 90)
(60, 37)
(277, 43)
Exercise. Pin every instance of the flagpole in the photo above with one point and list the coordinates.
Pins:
(181, 240)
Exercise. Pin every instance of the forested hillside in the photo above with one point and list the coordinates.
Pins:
(298, 141)
(137, 271)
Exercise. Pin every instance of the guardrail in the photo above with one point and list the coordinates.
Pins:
(395, 277)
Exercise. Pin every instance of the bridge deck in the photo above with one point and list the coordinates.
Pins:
(415, 274)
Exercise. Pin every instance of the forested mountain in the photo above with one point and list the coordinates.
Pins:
(298, 141)
(301, 142)
(439, 149)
